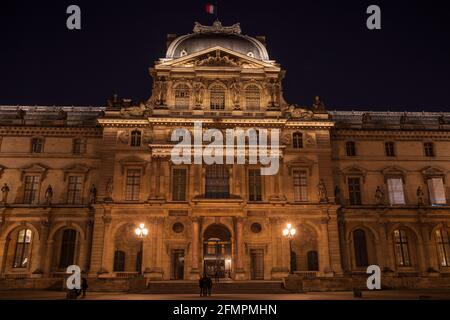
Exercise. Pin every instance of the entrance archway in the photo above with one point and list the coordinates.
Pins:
(217, 251)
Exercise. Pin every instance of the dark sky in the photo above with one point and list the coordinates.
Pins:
(324, 46)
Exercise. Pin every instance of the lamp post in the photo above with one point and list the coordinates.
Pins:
(289, 232)
(141, 233)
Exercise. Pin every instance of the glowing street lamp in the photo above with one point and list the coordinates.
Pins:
(289, 232)
(141, 233)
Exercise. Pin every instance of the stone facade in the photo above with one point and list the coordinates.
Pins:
(77, 181)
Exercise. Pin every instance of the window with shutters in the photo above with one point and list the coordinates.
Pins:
(179, 177)
(31, 193)
(396, 194)
(442, 243)
(75, 189)
(350, 148)
(182, 96)
(254, 185)
(252, 98)
(354, 190)
(401, 247)
(37, 145)
(23, 246)
(389, 149)
(217, 98)
(133, 185)
(437, 191)
(300, 185)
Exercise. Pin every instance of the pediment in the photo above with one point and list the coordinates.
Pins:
(218, 57)
(300, 162)
(132, 161)
(36, 167)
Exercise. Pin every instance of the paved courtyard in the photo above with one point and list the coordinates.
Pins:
(373, 295)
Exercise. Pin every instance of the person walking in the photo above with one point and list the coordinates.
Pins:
(209, 285)
(202, 285)
(217, 275)
(84, 286)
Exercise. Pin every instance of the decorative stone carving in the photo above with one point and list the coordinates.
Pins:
(318, 105)
(273, 89)
(366, 118)
(199, 93)
(5, 191)
(49, 195)
(147, 137)
(217, 61)
(92, 194)
(217, 28)
(420, 196)
(286, 140)
(322, 191)
(160, 87)
(109, 190)
(236, 94)
(123, 137)
(310, 140)
(298, 112)
(134, 111)
(379, 196)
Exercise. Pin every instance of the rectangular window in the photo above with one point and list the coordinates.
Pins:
(437, 191)
(74, 193)
(31, 194)
(179, 177)
(300, 186)
(354, 191)
(254, 185)
(133, 185)
(217, 98)
(78, 146)
(389, 149)
(350, 147)
(37, 145)
(429, 149)
(396, 194)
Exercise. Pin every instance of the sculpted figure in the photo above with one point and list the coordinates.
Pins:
(160, 91)
(5, 191)
(273, 88)
(379, 196)
(322, 191)
(92, 194)
(49, 195)
(318, 105)
(199, 94)
(109, 189)
(420, 195)
(235, 93)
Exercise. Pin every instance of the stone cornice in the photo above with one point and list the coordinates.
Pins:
(50, 131)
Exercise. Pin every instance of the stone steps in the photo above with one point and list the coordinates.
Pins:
(238, 287)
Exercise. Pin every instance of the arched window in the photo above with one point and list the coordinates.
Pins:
(313, 260)
(350, 148)
(217, 182)
(67, 255)
(119, 261)
(37, 145)
(442, 243)
(22, 252)
(182, 96)
(401, 247)
(217, 98)
(297, 140)
(360, 246)
(252, 98)
(136, 138)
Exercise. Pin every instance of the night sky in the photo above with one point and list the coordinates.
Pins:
(324, 46)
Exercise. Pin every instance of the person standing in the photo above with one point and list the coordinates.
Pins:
(209, 285)
(84, 286)
(201, 284)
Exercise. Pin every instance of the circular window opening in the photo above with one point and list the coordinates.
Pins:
(178, 227)
(256, 228)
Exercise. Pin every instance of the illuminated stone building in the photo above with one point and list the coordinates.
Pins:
(360, 188)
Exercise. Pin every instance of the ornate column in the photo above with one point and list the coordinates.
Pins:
(156, 272)
(325, 252)
(108, 247)
(195, 272)
(239, 274)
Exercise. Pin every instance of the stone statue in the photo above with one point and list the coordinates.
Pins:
(236, 94)
(322, 191)
(420, 195)
(273, 88)
(49, 195)
(109, 189)
(160, 91)
(199, 94)
(318, 105)
(5, 191)
(379, 196)
(366, 117)
(92, 194)
(135, 111)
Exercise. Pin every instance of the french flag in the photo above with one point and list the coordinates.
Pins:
(210, 8)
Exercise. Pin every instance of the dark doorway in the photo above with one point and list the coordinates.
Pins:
(257, 264)
(313, 260)
(217, 251)
(177, 264)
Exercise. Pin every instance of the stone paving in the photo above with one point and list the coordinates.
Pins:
(373, 295)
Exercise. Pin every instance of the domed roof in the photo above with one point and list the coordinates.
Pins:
(205, 37)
